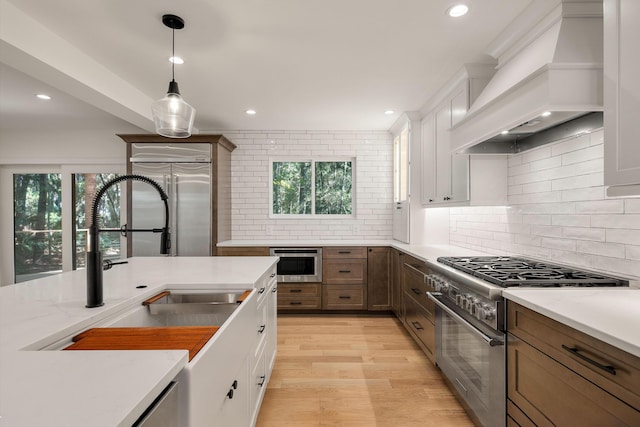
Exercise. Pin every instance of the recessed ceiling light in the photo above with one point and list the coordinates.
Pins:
(457, 10)
(546, 114)
(504, 132)
(43, 96)
(176, 60)
(389, 112)
(250, 112)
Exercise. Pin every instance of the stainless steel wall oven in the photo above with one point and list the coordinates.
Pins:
(298, 264)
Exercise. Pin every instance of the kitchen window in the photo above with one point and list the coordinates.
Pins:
(307, 188)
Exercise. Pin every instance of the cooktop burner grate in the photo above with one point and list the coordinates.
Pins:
(507, 271)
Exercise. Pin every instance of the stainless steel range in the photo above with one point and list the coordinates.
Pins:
(470, 325)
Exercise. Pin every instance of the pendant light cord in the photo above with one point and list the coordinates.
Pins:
(173, 54)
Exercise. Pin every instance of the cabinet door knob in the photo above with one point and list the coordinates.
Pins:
(235, 384)
(261, 291)
(262, 380)
(447, 198)
(230, 393)
(262, 328)
(430, 200)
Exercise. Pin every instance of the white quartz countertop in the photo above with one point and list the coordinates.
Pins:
(96, 388)
(610, 314)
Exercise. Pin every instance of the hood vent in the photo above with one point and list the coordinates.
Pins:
(555, 68)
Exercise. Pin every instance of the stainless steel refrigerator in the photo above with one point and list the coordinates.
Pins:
(184, 171)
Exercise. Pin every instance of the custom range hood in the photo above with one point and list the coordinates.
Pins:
(547, 83)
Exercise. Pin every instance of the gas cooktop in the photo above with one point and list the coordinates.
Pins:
(507, 271)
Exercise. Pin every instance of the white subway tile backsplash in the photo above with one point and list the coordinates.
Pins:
(571, 220)
(558, 211)
(584, 233)
(630, 221)
(629, 237)
(600, 207)
(571, 144)
(632, 205)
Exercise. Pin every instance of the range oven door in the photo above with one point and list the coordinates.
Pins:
(472, 357)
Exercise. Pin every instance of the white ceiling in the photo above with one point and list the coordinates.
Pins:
(302, 64)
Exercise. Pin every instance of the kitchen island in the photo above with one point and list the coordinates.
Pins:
(97, 388)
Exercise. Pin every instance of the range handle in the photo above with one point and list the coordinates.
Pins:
(493, 342)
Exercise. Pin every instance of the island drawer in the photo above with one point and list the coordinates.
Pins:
(610, 368)
(344, 297)
(344, 252)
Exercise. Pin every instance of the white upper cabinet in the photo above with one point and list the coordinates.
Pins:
(621, 97)
(458, 179)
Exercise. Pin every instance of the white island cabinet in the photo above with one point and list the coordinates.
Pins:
(115, 387)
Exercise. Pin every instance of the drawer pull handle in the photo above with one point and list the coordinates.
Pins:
(262, 328)
(235, 384)
(576, 352)
(416, 291)
(274, 290)
(295, 291)
(262, 380)
(295, 303)
(344, 271)
(273, 275)
(344, 252)
(261, 291)
(417, 325)
(344, 297)
(230, 393)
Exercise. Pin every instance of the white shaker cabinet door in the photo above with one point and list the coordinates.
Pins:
(622, 93)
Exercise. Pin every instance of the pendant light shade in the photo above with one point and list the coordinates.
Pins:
(172, 116)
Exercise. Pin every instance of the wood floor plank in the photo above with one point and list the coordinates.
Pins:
(355, 371)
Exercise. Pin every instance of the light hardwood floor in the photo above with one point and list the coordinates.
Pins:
(354, 371)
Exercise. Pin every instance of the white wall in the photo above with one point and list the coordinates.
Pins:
(557, 211)
(373, 152)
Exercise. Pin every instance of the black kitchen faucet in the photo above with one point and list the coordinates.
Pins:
(94, 256)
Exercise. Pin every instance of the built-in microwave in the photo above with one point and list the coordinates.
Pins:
(299, 264)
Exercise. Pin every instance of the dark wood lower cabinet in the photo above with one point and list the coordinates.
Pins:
(378, 278)
(299, 296)
(344, 297)
(557, 376)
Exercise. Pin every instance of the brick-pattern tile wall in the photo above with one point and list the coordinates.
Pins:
(557, 211)
(373, 153)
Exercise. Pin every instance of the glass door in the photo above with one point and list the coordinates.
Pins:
(37, 225)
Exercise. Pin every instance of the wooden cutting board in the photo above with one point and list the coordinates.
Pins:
(190, 338)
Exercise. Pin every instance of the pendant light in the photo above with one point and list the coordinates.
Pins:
(172, 116)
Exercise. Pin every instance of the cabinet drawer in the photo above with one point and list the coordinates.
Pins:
(343, 297)
(418, 321)
(299, 290)
(552, 395)
(344, 271)
(299, 303)
(340, 252)
(415, 286)
(578, 352)
(416, 263)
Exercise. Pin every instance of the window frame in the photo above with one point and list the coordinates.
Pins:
(313, 214)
